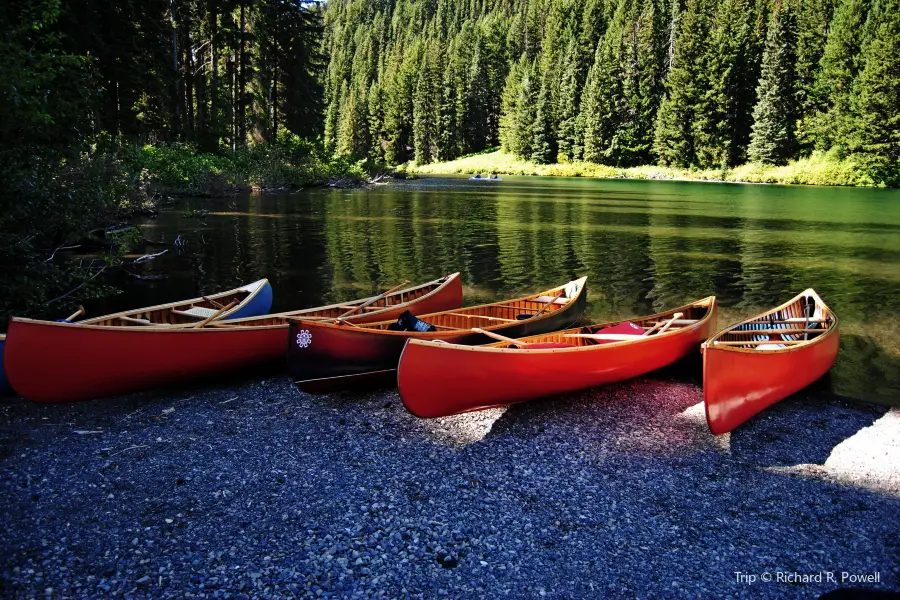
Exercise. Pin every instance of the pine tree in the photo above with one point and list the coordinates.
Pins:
(774, 116)
(543, 133)
(722, 127)
(569, 102)
(812, 33)
(875, 131)
(685, 88)
(839, 67)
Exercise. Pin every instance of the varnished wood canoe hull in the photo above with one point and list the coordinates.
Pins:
(63, 362)
(340, 357)
(437, 380)
(739, 384)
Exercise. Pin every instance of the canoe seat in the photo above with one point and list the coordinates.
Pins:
(197, 311)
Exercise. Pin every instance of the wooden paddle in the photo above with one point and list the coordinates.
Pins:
(373, 300)
(496, 336)
(665, 325)
(78, 312)
(618, 337)
(217, 315)
(547, 305)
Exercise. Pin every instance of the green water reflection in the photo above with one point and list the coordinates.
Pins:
(644, 245)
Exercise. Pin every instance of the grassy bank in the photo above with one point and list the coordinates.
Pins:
(292, 164)
(818, 169)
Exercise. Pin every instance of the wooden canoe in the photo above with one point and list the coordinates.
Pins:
(324, 356)
(251, 300)
(437, 380)
(4, 384)
(63, 362)
(754, 364)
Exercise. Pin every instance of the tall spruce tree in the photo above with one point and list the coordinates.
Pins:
(674, 142)
(543, 130)
(774, 116)
(875, 131)
(839, 67)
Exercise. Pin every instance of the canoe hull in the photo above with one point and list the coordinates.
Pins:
(5, 388)
(63, 362)
(437, 381)
(739, 385)
(335, 358)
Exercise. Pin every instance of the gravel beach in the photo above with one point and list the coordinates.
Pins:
(250, 489)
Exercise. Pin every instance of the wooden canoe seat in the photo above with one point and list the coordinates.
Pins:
(198, 312)
(679, 322)
(137, 321)
(546, 299)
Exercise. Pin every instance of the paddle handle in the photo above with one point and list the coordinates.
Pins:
(373, 300)
(496, 336)
(207, 320)
(77, 313)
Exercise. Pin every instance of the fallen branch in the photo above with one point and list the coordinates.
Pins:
(61, 248)
(148, 257)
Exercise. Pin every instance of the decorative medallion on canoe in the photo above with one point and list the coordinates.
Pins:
(304, 338)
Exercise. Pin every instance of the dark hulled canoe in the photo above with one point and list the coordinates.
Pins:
(754, 364)
(4, 384)
(62, 362)
(437, 380)
(324, 357)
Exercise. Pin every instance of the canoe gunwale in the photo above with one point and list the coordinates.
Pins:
(298, 315)
(225, 326)
(826, 334)
(254, 289)
(372, 327)
(709, 303)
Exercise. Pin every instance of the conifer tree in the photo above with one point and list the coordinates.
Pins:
(569, 103)
(875, 131)
(543, 131)
(839, 67)
(774, 116)
(812, 33)
(674, 142)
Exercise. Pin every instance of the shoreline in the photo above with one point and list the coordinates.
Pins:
(816, 170)
(249, 488)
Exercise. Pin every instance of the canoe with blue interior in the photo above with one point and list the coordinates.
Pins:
(50, 361)
(251, 300)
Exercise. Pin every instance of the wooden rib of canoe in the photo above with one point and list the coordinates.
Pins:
(437, 380)
(324, 357)
(64, 362)
(752, 365)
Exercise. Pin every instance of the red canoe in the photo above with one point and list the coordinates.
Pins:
(324, 357)
(64, 362)
(754, 364)
(437, 380)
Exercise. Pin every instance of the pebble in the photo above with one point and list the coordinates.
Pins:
(619, 491)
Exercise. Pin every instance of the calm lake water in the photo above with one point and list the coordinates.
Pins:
(644, 245)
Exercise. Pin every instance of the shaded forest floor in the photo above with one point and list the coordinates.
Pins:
(818, 169)
(251, 489)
